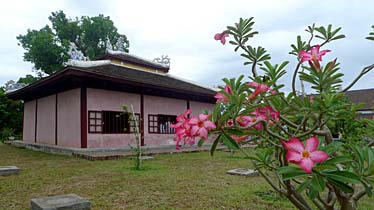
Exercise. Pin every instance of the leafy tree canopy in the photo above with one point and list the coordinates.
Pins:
(28, 79)
(48, 48)
(10, 116)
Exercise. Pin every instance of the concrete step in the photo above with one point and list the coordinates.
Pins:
(60, 202)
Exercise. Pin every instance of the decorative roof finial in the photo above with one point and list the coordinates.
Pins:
(165, 60)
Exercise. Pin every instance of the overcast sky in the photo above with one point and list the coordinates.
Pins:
(185, 30)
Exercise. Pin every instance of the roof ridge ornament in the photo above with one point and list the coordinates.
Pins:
(76, 54)
(164, 59)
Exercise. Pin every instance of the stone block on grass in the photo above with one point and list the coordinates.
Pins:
(60, 202)
(8, 170)
(243, 172)
(147, 158)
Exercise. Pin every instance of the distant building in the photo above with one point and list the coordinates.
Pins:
(81, 105)
(365, 96)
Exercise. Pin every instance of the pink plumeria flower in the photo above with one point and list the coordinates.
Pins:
(181, 119)
(247, 120)
(273, 92)
(230, 123)
(221, 97)
(190, 140)
(266, 112)
(228, 89)
(239, 138)
(200, 126)
(260, 88)
(313, 55)
(311, 99)
(183, 129)
(306, 156)
(332, 65)
(221, 37)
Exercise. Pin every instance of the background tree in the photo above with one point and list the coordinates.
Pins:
(48, 47)
(28, 79)
(10, 116)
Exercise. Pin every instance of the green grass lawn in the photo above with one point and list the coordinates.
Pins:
(175, 181)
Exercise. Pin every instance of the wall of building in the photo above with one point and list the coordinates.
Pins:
(198, 107)
(68, 118)
(134, 66)
(29, 121)
(43, 112)
(105, 100)
(46, 114)
(160, 105)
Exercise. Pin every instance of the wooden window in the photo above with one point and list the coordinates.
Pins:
(115, 122)
(161, 123)
(152, 123)
(111, 122)
(132, 123)
(95, 122)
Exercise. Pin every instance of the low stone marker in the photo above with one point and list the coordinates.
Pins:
(144, 157)
(60, 202)
(147, 158)
(243, 172)
(8, 170)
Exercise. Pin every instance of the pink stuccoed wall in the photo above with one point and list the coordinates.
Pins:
(46, 120)
(198, 107)
(160, 105)
(105, 100)
(68, 119)
(29, 121)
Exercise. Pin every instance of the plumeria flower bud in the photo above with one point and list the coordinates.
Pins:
(221, 37)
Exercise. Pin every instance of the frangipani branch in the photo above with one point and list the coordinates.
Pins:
(289, 127)
(362, 73)
(294, 78)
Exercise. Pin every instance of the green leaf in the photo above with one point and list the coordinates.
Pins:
(342, 176)
(318, 183)
(303, 185)
(289, 169)
(368, 188)
(312, 194)
(337, 159)
(229, 142)
(201, 142)
(294, 175)
(333, 147)
(342, 186)
(214, 145)
(338, 37)
(234, 131)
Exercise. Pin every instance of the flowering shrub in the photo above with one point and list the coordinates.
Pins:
(331, 174)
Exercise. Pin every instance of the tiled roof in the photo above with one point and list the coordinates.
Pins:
(148, 78)
(365, 96)
(66, 78)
